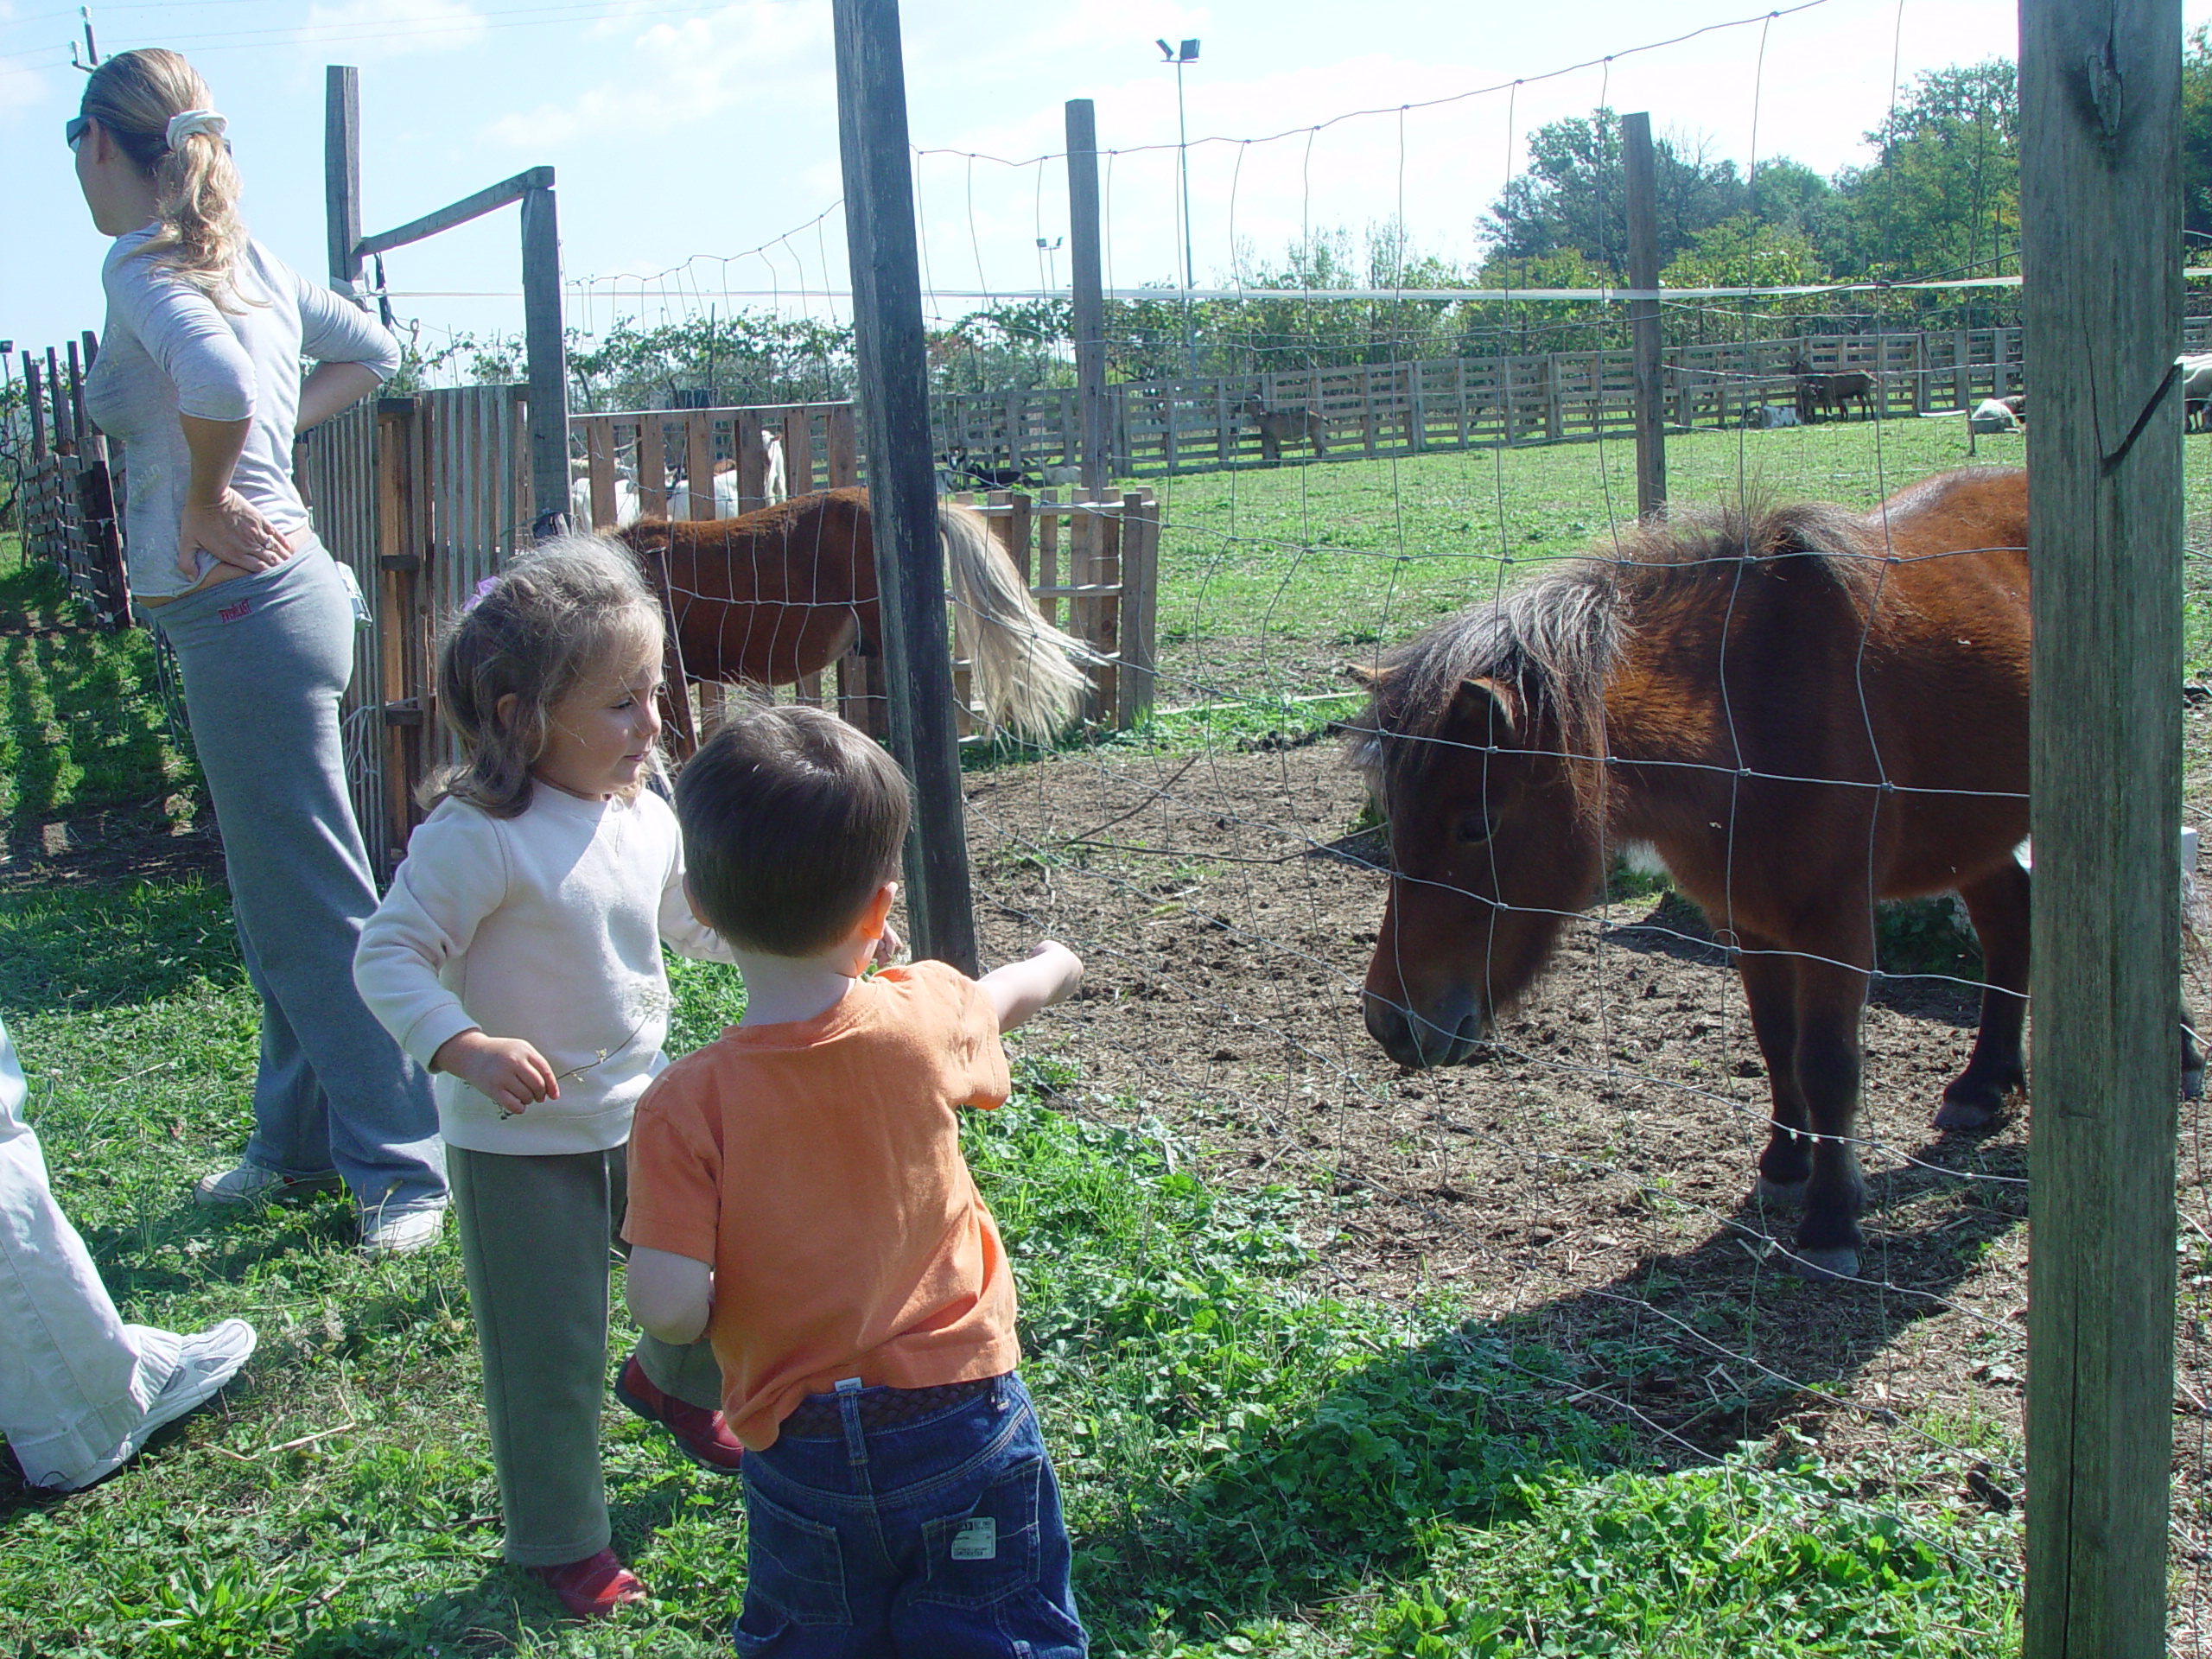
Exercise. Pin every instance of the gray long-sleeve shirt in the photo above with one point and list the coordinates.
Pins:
(168, 351)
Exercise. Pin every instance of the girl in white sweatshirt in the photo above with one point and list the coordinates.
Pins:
(517, 957)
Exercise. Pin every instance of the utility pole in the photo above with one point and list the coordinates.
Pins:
(1187, 52)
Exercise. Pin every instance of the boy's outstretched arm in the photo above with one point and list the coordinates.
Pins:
(1039, 980)
(669, 1296)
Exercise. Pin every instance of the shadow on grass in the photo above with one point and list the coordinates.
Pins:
(67, 950)
(1672, 1362)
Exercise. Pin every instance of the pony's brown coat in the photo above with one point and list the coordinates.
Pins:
(1804, 709)
(781, 593)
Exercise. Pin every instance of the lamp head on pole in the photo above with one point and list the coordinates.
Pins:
(1189, 53)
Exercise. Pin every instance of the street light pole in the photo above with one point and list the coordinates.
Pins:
(1187, 54)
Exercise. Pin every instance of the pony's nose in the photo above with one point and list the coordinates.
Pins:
(1443, 1037)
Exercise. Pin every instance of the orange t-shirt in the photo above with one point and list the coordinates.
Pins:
(816, 1165)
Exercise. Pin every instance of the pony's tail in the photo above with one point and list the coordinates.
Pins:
(1025, 669)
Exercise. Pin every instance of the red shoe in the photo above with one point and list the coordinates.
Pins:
(592, 1587)
(703, 1436)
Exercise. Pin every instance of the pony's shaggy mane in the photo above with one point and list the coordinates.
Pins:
(1553, 644)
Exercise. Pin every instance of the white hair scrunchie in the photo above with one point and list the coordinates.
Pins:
(183, 125)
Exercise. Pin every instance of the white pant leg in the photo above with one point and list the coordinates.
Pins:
(74, 1380)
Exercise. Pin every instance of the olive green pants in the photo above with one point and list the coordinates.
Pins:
(536, 1235)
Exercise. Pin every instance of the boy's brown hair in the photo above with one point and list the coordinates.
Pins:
(791, 820)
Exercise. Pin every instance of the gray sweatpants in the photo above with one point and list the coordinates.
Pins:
(536, 1236)
(265, 660)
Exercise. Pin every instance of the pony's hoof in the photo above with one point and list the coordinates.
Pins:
(1780, 1195)
(1831, 1261)
(1967, 1114)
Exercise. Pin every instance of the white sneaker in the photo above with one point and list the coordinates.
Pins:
(251, 1184)
(402, 1232)
(206, 1361)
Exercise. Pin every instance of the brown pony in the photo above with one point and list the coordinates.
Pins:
(1298, 425)
(1803, 709)
(774, 595)
(1838, 391)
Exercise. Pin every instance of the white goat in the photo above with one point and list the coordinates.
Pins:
(625, 503)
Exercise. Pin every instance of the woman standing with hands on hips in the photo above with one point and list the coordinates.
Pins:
(198, 378)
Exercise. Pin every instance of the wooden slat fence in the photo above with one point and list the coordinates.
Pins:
(1196, 425)
(1092, 564)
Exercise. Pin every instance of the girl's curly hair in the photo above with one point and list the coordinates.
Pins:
(565, 608)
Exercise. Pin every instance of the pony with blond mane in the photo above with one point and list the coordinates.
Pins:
(772, 596)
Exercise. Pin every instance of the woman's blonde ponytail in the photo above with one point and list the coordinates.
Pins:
(201, 237)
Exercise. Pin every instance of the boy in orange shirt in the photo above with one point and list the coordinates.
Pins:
(796, 1192)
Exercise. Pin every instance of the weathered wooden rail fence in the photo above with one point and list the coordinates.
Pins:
(66, 491)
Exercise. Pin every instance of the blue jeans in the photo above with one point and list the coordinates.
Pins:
(939, 1538)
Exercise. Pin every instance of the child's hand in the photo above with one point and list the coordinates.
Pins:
(1064, 961)
(506, 1070)
(889, 947)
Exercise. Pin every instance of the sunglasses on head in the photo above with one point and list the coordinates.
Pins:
(74, 128)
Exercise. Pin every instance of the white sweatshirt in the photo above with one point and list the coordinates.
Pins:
(545, 926)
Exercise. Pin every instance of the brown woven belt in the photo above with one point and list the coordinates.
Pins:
(816, 1417)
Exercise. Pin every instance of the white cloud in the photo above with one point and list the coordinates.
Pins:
(741, 61)
(371, 30)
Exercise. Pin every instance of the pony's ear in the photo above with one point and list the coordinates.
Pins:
(1369, 680)
(1487, 707)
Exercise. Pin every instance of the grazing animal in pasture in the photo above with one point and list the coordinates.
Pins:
(782, 593)
(1995, 415)
(1819, 393)
(1690, 692)
(2197, 393)
(1277, 425)
(960, 466)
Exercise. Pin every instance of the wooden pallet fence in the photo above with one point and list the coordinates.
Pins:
(1092, 564)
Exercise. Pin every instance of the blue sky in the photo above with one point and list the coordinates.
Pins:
(711, 129)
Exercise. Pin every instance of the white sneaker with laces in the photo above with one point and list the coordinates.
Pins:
(251, 1184)
(206, 1361)
(402, 1232)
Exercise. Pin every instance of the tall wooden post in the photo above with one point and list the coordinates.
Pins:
(341, 172)
(547, 352)
(1084, 276)
(902, 483)
(1641, 190)
(2100, 223)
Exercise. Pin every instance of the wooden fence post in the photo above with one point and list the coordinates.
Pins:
(341, 172)
(1089, 290)
(2100, 218)
(902, 485)
(547, 350)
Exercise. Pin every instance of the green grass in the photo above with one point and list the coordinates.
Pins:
(81, 730)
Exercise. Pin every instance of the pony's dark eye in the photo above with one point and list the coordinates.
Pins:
(1472, 828)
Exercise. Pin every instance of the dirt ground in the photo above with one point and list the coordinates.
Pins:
(1589, 1178)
